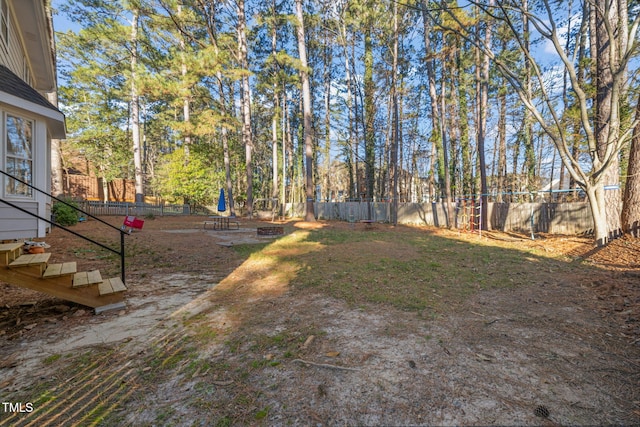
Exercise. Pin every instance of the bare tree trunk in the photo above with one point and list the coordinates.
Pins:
(306, 107)
(274, 149)
(247, 135)
(135, 109)
(630, 217)
(403, 183)
(57, 179)
(274, 118)
(395, 123)
(604, 53)
(436, 119)
(350, 141)
(529, 152)
(369, 109)
(384, 184)
(186, 112)
(225, 149)
(581, 71)
(502, 144)
(357, 112)
(327, 119)
(283, 184)
(565, 92)
(105, 188)
(445, 154)
(453, 128)
(482, 126)
(290, 154)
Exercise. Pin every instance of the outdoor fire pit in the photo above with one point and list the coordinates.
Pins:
(270, 231)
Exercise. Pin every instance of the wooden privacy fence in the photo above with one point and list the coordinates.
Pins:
(82, 187)
(559, 218)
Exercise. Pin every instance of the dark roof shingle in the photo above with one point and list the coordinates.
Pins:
(14, 85)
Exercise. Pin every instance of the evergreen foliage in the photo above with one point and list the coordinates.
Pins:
(197, 137)
(64, 213)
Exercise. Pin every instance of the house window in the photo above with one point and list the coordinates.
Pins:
(4, 22)
(19, 155)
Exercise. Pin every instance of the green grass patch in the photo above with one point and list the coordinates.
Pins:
(262, 414)
(51, 359)
(247, 250)
(410, 270)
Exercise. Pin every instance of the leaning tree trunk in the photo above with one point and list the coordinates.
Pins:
(445, 156)
(630, 217)
(597, 205)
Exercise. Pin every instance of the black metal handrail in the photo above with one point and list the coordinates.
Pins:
(121, 253)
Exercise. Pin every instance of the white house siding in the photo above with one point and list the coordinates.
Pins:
(13, 56)
(14, 99)
(15, 224)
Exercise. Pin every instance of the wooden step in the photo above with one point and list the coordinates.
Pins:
(86, 278)
(32, 265)
(31, 259)
(111, 286)
(57, 270)
(59, 287)
(10, 251)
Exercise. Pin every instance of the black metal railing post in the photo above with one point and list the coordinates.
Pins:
(122, 256)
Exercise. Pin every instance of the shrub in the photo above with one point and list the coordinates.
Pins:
(64, 214)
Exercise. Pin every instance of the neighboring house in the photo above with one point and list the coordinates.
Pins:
(28, 121)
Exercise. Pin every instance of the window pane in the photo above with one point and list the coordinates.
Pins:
(18, 137)
(21, 169)
(19, 155)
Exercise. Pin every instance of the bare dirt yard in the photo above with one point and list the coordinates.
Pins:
(330, 324)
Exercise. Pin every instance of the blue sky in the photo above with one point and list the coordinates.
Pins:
(60, 21)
